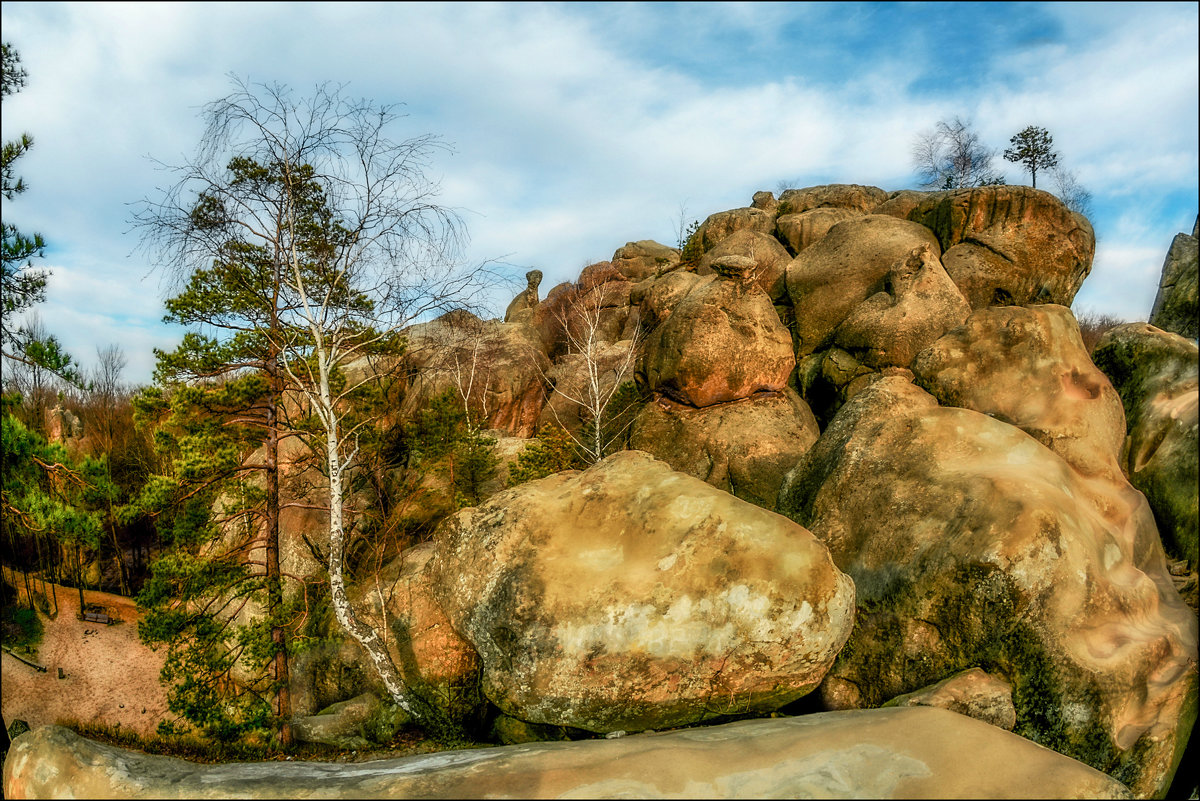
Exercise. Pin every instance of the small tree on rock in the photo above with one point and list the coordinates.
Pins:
(952, 156)
(1033, 147)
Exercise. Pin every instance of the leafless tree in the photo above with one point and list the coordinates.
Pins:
(952, 156)
(606, 366)
(365, 249)
(1071, 192)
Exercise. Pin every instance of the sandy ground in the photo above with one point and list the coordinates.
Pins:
(110, 677)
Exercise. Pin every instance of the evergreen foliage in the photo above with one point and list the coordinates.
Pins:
(1032, 147)
(551, 451)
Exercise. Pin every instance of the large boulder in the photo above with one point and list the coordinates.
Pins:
(799, 231)
(849, 264)
(973, 545)
(501, 367)
(1177, 304)
(770, 259)
(643, 259)
(918, 303)
(720, 225)
(743, 447)
(855, 197)
(877, 753)
(1010, 245)
(721, 342)
(632, 597)
(1156, 375)
(1028, 367)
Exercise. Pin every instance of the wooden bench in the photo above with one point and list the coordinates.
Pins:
(97, 616)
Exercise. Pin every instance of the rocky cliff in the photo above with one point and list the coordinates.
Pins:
(874, 466)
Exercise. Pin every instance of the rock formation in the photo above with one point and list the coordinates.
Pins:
(1156, 374)
(632, 597)
(1177, 304)
(522, 307)
(879, 753)
(971, 544)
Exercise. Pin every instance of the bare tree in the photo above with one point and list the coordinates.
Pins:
(364, 249)
(1071, 192)
(606, 365)
(952, 156)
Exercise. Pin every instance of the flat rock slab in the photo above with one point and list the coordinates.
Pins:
(917, 752)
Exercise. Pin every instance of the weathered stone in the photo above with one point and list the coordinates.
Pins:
(720, 225)
(765, 201)
(508, 730)
(500, 365)
(1156, 375)
(1177, 304)
(435, 662)
(770, 259)
(902, 202)
(340, 725)
(1010, 245)
(973, 693)
(723, 341)
(659, 299)
(743, 447)
(918, 752)
(973, 545)
(521, 309)
(917, 305)
(844, 196)
(798, 231)
(849, 264)
(1028, 367)
(631, 597)
(644, 259)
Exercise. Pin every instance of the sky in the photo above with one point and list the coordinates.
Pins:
(579, 127)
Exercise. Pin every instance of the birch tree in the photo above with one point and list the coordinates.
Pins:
(359, 248)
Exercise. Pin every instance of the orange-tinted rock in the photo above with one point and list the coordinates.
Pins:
(800, 230)
(637, 261)
(843, 196)
(743, 447)
(720, 225)
(722, 341)
(917, 305)
(849, 264)
(770, 259)
(1010, 245)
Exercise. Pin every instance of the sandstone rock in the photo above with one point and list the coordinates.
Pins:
(630, 597)
(722, 341)
(659, 299)
(439, 665)
(765, 201)
(1155, 373)
(520, 310)
(1177, 305)
(917, 305)
(843, 196)
(770, 259)
(879, 753)
(1010, 245)
(340, 725)
(972, 692)
(798, 231)
(508, 730)
(637, 261)
(828, 280)
(1028, 367)
(720, 225)
(973, 545)
(500, 365)
(902, 202)
(743, 447)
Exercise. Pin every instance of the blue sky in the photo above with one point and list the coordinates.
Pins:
(579, 127)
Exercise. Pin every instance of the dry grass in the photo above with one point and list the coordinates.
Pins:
(1093, 325)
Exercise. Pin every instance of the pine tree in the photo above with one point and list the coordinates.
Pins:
(1032, 147)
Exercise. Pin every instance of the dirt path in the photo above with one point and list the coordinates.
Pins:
(110, 677)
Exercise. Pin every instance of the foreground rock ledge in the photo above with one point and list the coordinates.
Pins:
(919, 752)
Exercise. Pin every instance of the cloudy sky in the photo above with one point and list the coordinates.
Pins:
(579, 127)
